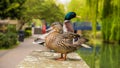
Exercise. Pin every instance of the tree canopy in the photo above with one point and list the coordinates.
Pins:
(11, 8)
(28, 9)
(46, 9)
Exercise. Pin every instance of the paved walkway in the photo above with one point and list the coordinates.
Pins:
(12, 57)
(46, 59)
(28, 55)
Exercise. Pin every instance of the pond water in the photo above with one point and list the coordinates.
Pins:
(102, 56)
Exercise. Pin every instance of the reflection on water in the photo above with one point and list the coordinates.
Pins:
(104, 56)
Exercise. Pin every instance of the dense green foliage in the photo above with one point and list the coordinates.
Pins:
(46, 9)
(106, 12)
(9, 39)
(110, 20)
(28, 31)
(11, 8)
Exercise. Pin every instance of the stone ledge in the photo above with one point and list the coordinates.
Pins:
(45, 59)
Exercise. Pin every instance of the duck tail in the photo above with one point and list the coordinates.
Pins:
(86, 46)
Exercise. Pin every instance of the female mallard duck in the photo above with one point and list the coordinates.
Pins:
(63, 42)
(41, 38)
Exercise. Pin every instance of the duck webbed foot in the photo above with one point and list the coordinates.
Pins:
(62, 58)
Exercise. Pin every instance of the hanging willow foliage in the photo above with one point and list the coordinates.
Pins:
(110, 21)
(93, 13)
(108, 11)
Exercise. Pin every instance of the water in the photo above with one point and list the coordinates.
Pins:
(102, 56)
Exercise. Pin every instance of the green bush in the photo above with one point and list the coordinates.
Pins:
(2, 36)
(8, 39)
(28, 31)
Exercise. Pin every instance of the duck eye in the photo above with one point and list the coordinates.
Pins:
(74, 36)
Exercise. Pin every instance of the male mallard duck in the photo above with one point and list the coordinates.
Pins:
(63, 42)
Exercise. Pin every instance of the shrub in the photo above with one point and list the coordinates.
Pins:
(8, 39)
(28, 32)
(2, 36)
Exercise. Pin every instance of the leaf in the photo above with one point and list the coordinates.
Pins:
(12, 6)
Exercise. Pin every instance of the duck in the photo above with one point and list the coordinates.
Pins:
(62, 42)
(41, 39)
